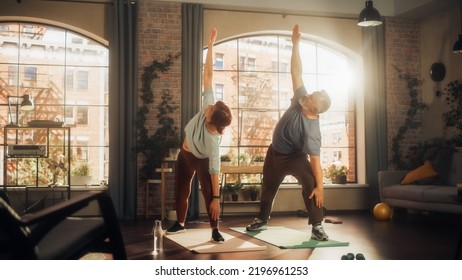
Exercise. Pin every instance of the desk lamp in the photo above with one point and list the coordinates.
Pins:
(26, 105)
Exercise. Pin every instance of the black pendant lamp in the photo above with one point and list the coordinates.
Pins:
(369, 16)
(458, 44)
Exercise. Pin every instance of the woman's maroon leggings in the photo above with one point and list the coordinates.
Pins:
(187, 166)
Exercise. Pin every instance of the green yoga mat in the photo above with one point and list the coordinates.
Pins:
(286, 238)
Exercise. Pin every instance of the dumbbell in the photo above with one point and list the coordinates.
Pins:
(349, 256)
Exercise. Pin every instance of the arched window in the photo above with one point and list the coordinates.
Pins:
(66, 76)
(253, 75)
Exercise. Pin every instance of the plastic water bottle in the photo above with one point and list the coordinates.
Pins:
(158, 237)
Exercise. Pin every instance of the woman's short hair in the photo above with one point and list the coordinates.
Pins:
(221, 116)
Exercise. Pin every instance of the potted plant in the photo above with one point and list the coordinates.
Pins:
(225, 159)
(253, 190)
(234, 189)
(259, 159)
(243, 159)
(336, 173)
(81, 174)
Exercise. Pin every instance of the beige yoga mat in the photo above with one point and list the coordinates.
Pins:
(198, 241)
(286, 238)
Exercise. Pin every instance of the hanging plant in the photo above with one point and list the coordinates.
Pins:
(410, 122)
(155, 147)
(452, 118)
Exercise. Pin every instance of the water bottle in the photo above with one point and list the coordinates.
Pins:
(158, 237)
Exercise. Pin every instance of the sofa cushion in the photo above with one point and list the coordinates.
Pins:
(455, 174)
(422, 172)
(406, 192)
(440, 194)
(440, 158)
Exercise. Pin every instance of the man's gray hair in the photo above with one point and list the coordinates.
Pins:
(324, 101)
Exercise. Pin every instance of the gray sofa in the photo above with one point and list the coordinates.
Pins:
(425, 196)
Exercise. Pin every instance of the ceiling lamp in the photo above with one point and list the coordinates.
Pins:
(369, 16)
(458, 44)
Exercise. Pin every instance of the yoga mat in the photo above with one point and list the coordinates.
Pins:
(286, 238)
(198, 240)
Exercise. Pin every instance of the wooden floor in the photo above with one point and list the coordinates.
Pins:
(416, 236)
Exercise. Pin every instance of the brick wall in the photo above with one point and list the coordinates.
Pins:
(402, 50)
(159, 35)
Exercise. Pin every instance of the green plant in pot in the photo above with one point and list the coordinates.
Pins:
(81, 173)
(234, 189)
(225, 159)
(336, 173)
(259, 159)
(253, 190)
(243, 159)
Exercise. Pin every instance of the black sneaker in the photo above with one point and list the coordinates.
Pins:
(176, 228)
(216, 236)
(257, 225)
(318, 233)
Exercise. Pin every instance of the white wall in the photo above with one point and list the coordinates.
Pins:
(289, 199)
(88, 19)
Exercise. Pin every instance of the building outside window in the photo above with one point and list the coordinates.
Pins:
(219, 61)
(219, 92)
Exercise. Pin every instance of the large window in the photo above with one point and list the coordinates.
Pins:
(65, 74)
(254, 78)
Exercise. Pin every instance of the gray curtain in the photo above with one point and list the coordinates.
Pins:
(375, 107)
(191, 61)
(122, 107)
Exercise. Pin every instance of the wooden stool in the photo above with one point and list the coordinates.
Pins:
(162, 170)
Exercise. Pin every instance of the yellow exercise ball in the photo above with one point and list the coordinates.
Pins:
(382, 211)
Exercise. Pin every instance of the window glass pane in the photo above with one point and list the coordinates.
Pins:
(228, 50)
(13, 75)
(69, 79)
(308, 54)
(230, 82)
(257, 127)
(82, 80)
(83, 51)
(39, 45)
(256, 90)
(219, 92)
(9, 35)
(231, 132)
(255, 52)
(219, 61)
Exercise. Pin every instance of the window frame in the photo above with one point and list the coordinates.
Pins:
(58, 74)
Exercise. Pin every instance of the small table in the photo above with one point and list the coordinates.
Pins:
(162, 170)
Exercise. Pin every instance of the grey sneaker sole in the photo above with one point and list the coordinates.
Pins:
(265, 227)
(313, 236)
